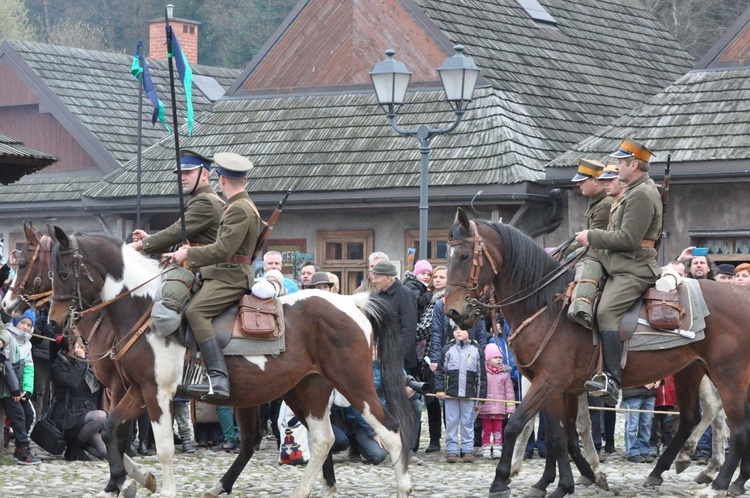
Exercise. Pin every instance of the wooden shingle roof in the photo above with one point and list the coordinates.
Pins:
(565, 77)
(338, 142)
(99, 91)
(18, 160)
(550, 87)
(702, 117)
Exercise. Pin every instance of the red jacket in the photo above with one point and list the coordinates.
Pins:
(665, 394)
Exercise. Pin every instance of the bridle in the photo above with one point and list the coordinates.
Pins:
(78, 310)
(484, 302)
(36, 299)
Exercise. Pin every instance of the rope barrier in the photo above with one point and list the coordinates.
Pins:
(603, 408)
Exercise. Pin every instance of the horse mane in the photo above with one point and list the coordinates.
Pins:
(526, 264)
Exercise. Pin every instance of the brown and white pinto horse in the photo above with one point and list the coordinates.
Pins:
(557, 355)
(328, 345)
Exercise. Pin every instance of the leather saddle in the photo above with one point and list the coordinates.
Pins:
(637, 318)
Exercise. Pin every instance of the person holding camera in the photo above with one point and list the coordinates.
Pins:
(75, 406)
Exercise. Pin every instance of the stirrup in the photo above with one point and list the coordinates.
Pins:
(598, 385)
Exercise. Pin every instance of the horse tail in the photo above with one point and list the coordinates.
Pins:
(387, 337)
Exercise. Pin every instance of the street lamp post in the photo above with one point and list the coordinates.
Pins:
(390, 78)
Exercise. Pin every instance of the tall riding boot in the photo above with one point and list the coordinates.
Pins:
(608, 385)
(216, 368)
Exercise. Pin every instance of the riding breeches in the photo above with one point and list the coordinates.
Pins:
(213, 298)
(619, 294)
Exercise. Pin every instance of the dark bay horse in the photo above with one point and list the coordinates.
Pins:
(558, 355)
(329, 344)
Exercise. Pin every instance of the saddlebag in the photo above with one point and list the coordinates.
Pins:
(261, 318)
(663, 309)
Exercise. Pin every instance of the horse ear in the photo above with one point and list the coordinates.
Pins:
(32, 235)
(463, 219)
(58, 235)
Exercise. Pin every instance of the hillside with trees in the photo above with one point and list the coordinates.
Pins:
(232, 31)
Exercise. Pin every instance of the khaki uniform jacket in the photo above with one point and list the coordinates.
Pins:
(202, 217)
(637, 218)
(597, 216)
(238, 234)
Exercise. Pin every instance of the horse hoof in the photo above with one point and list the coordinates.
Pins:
(215, 491)
(326, 491)
(150, 483)
(535, 493)
(680, 467)
(601, 481)
(736, 490)
(129, 489)
(702, 478)
(106, 494)
(583, 481)
(653, 482)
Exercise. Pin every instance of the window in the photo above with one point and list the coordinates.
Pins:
(538, 13)
(724, 246)
(345, 255)
(437, 245)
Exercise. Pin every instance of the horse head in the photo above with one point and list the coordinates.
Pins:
(77, 280)
(32, 281)
(469, 279)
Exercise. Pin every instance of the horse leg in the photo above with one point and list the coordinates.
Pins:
(115, 435)
(738, 486)
(520, 449)
(719, 435)
(736, 407)
(309, 402)
(159, 405)
(690, 415)
(583, 426)
(557, 443)
(248, 419)
(526, 411)
(577, 418)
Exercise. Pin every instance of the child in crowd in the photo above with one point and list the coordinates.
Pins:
(12, 394)
(460, 375)
(661, 428)
(493, 413)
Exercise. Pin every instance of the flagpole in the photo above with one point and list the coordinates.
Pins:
(140, 145)
(174, 125)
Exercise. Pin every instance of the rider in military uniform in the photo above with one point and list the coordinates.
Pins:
(597, 211)
(202, 210)
(231, 276)
(626, 250)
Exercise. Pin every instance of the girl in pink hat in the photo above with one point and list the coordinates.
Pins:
(493, 413)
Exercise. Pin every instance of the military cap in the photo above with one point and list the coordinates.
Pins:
(610, 171)
(631, 148)
(725, 269)
(190, 160)
(385, 268)
(231, 165)
(588, 168)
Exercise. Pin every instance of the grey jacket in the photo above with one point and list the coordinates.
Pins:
(461, 371)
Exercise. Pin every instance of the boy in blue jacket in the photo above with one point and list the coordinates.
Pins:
(460, 375)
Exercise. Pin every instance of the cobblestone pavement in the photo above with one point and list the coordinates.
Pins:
(263, 477)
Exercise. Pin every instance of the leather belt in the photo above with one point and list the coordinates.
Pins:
(648, 243)
(240, 259)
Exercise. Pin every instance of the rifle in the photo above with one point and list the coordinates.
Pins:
(266, 232)
(664, 201)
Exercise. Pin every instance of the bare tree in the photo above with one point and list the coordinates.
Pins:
(14, 21)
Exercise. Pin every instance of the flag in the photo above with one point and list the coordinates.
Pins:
(139, 68)
(185, 73)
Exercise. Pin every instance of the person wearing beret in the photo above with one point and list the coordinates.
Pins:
(232, 274)
(202, 210)
(403, 303)
(627, 252)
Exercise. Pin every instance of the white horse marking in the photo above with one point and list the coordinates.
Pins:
(136, 270)
(352, 306)
(392, 442)
(259, 361)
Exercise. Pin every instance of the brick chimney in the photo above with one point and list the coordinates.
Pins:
(186, 32)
